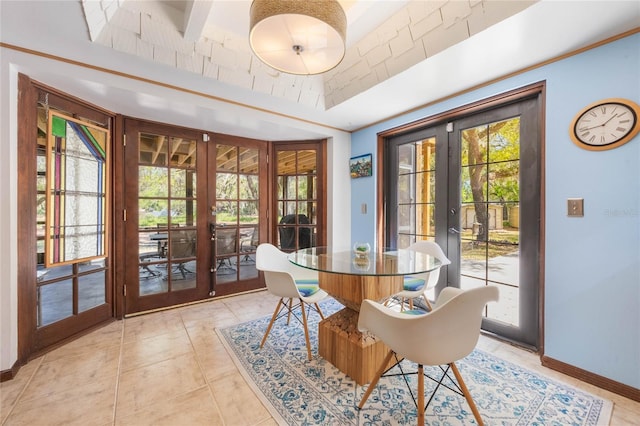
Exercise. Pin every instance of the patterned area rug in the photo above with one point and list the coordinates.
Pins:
(301, 392)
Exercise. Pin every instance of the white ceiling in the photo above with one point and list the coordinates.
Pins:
(545, 30)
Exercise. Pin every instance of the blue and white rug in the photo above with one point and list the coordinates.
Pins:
(301, 392)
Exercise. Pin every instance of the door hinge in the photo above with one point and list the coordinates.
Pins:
(124, 140)
(124, 290)
(124, 215)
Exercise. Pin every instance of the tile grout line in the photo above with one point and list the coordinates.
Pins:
(118, 370)
(24, 389)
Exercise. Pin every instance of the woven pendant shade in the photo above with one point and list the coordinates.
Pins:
(298, 36)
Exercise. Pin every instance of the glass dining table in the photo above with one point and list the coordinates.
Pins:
(351, 277)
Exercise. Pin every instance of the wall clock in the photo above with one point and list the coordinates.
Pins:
(605, 124)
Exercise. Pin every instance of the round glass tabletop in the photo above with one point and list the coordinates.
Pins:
(376, 263)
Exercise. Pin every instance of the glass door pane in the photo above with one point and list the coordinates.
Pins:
(240, 188)
(416, 192)
(296, 198)
(490, 203)
(237, 213)
(167, 214)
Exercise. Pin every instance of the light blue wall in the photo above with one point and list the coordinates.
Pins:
(592, 264)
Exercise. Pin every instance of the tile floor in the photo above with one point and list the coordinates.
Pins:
(169, 368)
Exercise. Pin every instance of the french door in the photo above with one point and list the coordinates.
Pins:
(300, 196)
(473, 185)
(191, 215)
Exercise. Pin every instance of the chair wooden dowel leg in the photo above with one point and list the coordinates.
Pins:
(466, 393)
(290, 308)
(306, 329)
(273, 318)
(426, 301)
(374, 382)
(319, 310)
(420, 406)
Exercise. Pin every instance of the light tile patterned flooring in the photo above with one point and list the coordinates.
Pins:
(169, 368)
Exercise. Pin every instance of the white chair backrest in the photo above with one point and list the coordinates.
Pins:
(446, 334)
(431, 248)
(279, 273)
(270, 258)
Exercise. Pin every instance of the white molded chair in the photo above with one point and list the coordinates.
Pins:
(446, 334)
(289, 282)
(418, 285)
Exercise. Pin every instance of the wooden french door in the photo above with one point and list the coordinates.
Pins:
(191, 219)
(472, 183)
(238, 214)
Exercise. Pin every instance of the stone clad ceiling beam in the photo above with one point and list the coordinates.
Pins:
(195, 18)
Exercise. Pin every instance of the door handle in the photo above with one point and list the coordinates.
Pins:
(453, 230)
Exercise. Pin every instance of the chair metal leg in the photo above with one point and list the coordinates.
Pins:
(273, 318)
(420, 406)
(467, 395)
(374, 382)
(306, 329)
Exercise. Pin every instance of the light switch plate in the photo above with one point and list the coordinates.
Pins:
(575, 207)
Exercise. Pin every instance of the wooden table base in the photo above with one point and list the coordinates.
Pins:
(356, 354)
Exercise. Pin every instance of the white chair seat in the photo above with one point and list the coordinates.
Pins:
(416, 286)
(447, 333)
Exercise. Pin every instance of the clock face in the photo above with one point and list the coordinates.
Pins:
(605, 125)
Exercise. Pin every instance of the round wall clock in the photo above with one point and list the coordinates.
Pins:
(606, 124)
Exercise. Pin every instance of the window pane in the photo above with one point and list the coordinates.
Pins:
(183, 183)
(249, 188)
(504, 141)
(290, 193)
(286, 162)
(426, 155)
(55, 302)
(183, 153)
(227, 212)
(153, 182)
(91, 291)
(474, 146)
(227, 158)
(152, 213)
(504, 181)
(249, 160)
(248, 212)
(307, 162)
(227, 186)
(183, 212)
(152, 150)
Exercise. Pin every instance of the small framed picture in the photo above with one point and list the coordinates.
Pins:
(360, 166)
